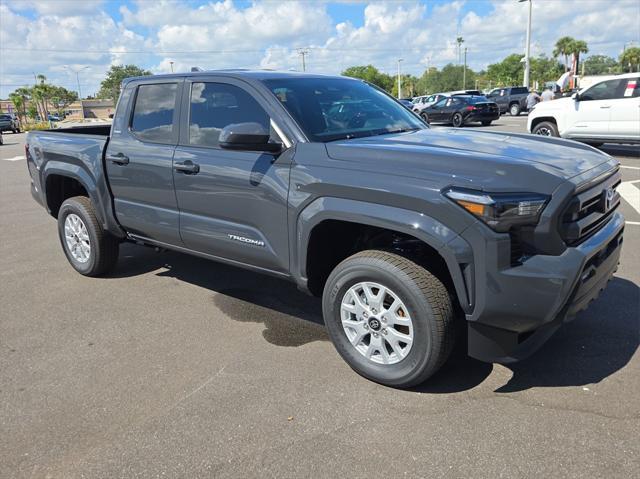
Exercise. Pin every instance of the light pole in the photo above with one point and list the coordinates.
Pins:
(527, 59)
(77, 72)
(464, 71)
(399, 80)
(171, 63)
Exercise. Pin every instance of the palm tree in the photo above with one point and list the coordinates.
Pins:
(459, 41)
(630, 57)
(563, 47)
(577, 47)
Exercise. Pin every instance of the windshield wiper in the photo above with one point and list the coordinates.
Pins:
(399, 130)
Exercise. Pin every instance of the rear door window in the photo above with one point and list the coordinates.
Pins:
(153, 112)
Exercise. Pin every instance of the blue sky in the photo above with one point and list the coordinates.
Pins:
(44, 36)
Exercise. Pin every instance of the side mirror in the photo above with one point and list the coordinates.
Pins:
(575, 96)
(248, 137)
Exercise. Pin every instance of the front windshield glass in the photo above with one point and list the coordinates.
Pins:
(330, 109)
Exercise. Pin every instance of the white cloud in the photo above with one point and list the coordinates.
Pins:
(266, 34)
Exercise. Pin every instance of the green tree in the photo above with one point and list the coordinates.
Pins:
(544, 69)
(564, 48)
(510, 71)
(371, 74)
(447, 79)
(630, 58)
(19, 99)
(110, 86)
(61, 98)
(600, 65)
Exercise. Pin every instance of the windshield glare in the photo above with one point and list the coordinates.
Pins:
(333, 109)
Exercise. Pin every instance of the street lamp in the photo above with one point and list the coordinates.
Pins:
(77, 72)
(527, 59)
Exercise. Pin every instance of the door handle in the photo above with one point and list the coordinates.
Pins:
(187, 167)
(605, 106)
(118, 159)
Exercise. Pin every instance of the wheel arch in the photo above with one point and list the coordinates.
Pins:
(343, 220)
(536, 121)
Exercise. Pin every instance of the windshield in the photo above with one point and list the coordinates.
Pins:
(330, 109)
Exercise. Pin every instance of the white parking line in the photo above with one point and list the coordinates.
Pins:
(15, 158)
(630, 167)
(631, 194)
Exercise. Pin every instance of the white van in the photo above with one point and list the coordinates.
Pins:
(607, 111)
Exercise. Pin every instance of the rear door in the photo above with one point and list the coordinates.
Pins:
(625, 110)
(436, 112)
(235, 205)
(139, 160)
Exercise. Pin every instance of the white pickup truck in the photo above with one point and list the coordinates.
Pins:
(606, 112)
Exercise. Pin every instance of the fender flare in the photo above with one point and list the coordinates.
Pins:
(454, 250)
(88, 182)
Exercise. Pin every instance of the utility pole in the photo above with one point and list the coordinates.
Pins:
(527, 55)
(399, 80)
(303, 52)
(464, 71)
(171, 63)
(77, 72)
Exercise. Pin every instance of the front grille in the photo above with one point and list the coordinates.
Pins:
(589, 210)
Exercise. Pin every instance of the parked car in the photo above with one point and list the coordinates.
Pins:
(436, 97)
(607, 111)
(459, 110)
(53, 117)
(328, 182)
(9, 122)
(512, 99)
(408, 104)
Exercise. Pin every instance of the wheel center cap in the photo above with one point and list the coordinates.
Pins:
(374, 324)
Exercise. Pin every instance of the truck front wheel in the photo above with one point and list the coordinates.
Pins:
(90, 250)
(390, 319)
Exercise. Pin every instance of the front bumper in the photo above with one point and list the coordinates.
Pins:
(521, 307)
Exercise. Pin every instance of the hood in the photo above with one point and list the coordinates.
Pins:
(476, 159)
(557, 104)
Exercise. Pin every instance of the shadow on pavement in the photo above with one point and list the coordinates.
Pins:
(599, 342)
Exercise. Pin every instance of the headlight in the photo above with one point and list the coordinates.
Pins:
(500, 211)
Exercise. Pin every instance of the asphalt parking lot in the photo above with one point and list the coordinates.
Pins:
(174, 366)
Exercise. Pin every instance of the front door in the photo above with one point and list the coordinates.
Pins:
(139, 160)
(235, 205)
(590, 116)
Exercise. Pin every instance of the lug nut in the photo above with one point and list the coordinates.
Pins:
(384, 319)
(366, 326)
(373, 310)
(375, 335)
(365, 315)
(384, 331)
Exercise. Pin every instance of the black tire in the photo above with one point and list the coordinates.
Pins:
(17, 130)
(104, 247)
(546, 128)
(425, 117)
(457, 120)
(515, 109)
(428, 304)
(487, 123)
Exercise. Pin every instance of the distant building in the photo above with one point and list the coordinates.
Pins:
(90, 109)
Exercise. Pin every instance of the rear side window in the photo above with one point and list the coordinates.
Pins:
(216, 105)
(630, 88)
(153, 112)
(518, 90)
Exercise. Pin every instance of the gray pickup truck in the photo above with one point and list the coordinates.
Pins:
(405, 231)
(512, 99)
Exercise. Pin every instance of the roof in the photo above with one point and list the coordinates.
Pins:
(238, 73)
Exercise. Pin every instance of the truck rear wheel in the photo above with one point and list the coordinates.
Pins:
(390, 319)
(90, 250)
(515, 109)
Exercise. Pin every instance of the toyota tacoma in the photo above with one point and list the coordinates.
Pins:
(405, 231)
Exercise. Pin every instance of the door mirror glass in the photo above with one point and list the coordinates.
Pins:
(248, 136)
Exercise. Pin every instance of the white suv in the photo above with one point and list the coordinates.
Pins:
(607, 111)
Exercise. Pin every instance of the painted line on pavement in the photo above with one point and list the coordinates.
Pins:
(630, 167)
(15, 158)
(631, 194)
(635, 223)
